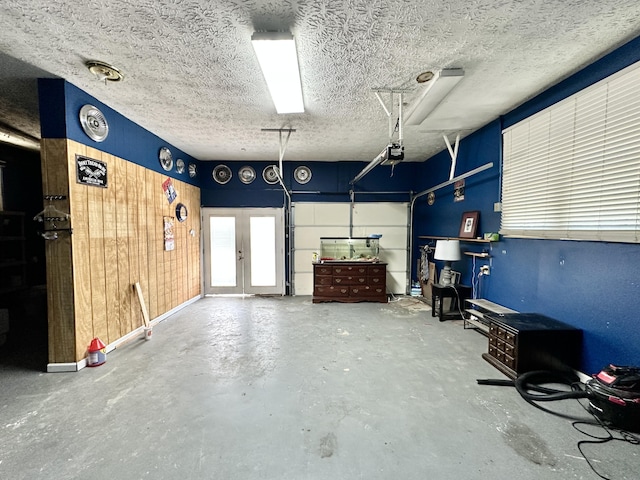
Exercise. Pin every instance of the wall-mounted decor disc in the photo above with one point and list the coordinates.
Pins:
(302, 174)
(180, 165)
(181, 212)
(93, 123)
(270, 175)
(193, 170)
(247, 174)
(166, 159)
(221, 174)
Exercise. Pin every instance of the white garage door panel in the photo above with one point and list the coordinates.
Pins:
(315, 220)
(304, 283)
(395, 282)
(303, 259)
(322, 214)
(309, 237)
(380, 214)
(391, 236)
(396, 260)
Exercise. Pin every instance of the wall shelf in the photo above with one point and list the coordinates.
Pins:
(470, 240)
(478, 255)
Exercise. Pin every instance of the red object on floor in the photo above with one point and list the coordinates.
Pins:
(97, 353)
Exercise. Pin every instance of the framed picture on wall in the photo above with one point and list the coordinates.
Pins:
(469, 224)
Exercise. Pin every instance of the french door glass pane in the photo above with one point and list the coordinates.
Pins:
(263, 251)
(223, 251)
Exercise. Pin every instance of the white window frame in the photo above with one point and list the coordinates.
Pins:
(572, 171)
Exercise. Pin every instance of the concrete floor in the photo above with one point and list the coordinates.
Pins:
(280, 388)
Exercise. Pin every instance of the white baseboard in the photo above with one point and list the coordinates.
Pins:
(77, 366)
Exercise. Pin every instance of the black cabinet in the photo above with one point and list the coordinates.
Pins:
(522, 342)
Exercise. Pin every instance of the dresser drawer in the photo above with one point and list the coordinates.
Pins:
(323, 270)
(331, 291)
(509, 361)
(510, 337)
(350, 280)
(377, 270)
(368, 291)
(509, 349)
(350, 270)
(323, 280)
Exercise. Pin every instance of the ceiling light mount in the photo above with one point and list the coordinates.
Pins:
(104, 71)
(425, 76)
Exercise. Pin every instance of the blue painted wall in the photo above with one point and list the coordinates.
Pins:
(591, 285)
(329, 183)
(60, 104)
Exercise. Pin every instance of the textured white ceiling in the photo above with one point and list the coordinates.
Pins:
(191, 76)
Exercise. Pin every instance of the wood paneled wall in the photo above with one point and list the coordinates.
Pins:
(117, 240)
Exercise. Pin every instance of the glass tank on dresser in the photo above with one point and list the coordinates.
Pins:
(349, 249)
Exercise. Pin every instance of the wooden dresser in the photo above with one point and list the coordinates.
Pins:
(349, 282)
(522, 342)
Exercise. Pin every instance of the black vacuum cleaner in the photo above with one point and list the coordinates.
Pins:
(614, 397)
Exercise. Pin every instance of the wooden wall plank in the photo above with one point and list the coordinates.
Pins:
(117, 240)
(81, 246)
(142, 238)
(96, 257)
(61, 314)
(152, 252)
(112, 308)
(195, 258)
(135, 316)
(160, 202)
(122, 247)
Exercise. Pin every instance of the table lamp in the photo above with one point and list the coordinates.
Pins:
(449, 251)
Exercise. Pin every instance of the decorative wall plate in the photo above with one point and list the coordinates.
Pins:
(247, 174)
(221, 174)
(180, 165)
(181, 212)
(302, 174)
(166, 159)
(270, 175)
(193, 170)
(93, 123)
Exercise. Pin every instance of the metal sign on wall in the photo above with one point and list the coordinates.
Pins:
(90, 171)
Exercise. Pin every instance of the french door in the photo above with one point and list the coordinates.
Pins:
(243, 251)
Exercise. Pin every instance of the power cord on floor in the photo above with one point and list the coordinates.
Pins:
(529, 382)
(458, 301)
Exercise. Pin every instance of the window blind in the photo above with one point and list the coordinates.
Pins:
(572, 171)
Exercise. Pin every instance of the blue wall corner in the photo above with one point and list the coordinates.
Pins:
(60, 104)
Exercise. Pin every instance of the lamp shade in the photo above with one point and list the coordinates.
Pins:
(448, 250)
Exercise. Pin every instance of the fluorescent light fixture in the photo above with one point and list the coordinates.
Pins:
(276, 52)
(436, 90)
